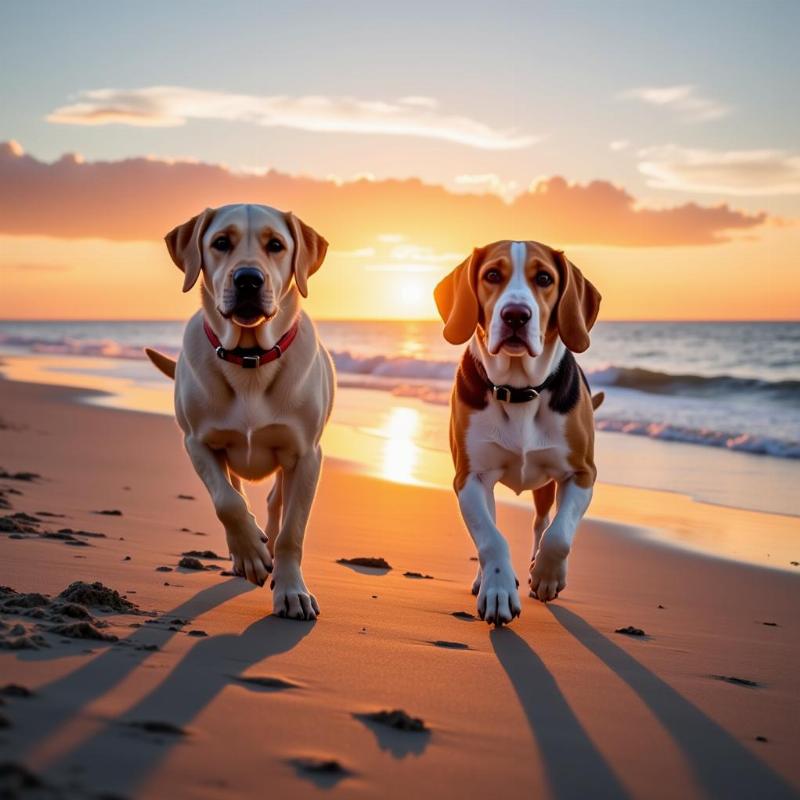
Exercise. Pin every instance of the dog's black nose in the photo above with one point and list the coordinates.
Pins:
(515, 316)
(248, 279)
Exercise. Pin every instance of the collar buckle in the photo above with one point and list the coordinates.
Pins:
(502, 393)
(512, 394)
(251, 357)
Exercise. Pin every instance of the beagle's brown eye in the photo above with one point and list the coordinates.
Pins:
(274, 246)
(543, 279)
(221, 244)
(492, 276)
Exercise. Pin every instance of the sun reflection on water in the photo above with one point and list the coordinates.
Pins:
(400, 453)
(412, 342)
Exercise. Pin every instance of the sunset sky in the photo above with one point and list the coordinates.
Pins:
(659, 144)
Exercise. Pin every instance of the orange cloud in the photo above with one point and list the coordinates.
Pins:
(140, 198)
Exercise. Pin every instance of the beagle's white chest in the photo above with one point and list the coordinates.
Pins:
(524, 444)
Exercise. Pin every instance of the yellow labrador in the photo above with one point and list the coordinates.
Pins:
(253, 385)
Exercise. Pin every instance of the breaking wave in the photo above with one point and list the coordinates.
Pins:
(429, 380)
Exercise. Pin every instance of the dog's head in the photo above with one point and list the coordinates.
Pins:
(518, 294)
(248, 255)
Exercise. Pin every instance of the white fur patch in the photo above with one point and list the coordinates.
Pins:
(526, 445)
(516, 292)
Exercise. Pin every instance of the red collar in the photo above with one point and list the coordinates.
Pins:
(252, 357)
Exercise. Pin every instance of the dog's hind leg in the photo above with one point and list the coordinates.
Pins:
(549, 567)
(543, 499)
(251, 558)
(238, 484)
(274, 508)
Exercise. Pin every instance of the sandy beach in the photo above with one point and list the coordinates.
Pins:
(202, 693)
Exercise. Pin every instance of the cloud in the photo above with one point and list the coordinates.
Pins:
(683, 100)
(417, 100)
(488, 182)
(601, 213)
(618, 145)
(733, 172)
(358, 252)
(142, 198)
(163, 106)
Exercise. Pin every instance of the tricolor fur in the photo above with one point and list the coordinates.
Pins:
(524, 308)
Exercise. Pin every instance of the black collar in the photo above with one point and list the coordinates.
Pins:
(515, 394)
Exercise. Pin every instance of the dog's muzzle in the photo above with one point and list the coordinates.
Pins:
(248, 306)
(514, 335)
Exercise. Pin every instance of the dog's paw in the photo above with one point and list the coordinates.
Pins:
(548, 574)
(249, 553)
(498, 598)
(290, 596)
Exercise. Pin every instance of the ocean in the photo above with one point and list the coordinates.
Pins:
(731, 385)
(704, 410)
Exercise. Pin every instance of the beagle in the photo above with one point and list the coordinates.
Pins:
(521, 410)
(253, 385)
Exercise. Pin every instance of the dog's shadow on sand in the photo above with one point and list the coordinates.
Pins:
(85, 684)
(201, 674)
(720, 764)
(574, 766)
(191, 686)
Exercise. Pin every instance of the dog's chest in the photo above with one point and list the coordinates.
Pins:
(255, 436)
(526, 444)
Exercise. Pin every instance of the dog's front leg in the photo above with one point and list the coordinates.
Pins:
(498, 598)
(246, 542)
(549, 567)
(291, 597)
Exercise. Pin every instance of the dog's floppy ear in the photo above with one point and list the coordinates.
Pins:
(457, 300)
(309, 251)
(185, 245)
(578, 305)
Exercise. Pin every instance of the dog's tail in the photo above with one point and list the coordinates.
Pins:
(597, 399)
(162, 363)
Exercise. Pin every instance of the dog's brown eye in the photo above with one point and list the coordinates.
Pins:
(222, 244)
(543, 279)
(492, 276)
(274, 246)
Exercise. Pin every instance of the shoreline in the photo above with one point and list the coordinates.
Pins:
(391, 449)
(723, 402)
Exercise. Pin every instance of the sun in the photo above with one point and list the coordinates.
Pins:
(411, 293)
